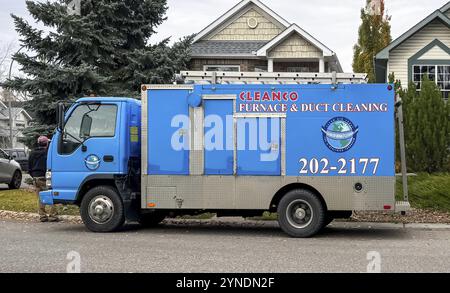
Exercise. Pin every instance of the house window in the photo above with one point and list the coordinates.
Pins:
(440, 74)
(298, 69)
(222, 68)
(260, 68)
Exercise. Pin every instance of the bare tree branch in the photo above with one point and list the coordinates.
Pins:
(6, 51)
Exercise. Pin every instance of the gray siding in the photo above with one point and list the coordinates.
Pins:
(398, 57)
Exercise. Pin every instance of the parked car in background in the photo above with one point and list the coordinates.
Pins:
(20, 156)
(10, 171)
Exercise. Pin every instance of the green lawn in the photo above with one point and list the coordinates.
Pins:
(425, 191)
(25, 201)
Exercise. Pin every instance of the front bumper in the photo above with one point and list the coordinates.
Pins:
(46, 197)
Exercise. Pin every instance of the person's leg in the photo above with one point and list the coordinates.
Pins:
(41, 208)
(53, 214)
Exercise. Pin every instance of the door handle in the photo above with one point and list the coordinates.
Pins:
(108, 159)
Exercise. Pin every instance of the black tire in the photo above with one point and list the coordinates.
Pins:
(112, 207)
(152, 219)
(298, 203)
(16, 180)
(328, 220)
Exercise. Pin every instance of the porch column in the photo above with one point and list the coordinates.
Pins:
(321, 65)
(270, 65)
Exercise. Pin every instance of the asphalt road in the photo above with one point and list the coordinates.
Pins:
(221, 247)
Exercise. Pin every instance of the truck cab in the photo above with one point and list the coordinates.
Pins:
(96, 144)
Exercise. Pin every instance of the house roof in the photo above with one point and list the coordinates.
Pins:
(233, 11)
(226, 48)
(438, 14)
(446, 7)
(4, 113)
(286, 33)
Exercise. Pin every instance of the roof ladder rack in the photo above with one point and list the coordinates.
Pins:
(215, 77)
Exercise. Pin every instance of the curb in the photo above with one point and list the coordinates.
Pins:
(33, 217)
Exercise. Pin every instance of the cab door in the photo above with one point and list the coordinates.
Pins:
(90, 145)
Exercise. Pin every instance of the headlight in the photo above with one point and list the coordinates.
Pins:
(48, 179)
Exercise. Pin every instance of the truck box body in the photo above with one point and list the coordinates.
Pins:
(236, 146)
(310, 152)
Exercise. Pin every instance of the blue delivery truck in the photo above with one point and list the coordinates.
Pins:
(310, 152)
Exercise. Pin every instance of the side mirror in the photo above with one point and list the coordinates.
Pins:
(60, 116)
(86, 124)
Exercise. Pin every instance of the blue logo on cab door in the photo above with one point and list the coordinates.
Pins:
(339, 134)
(92, 162)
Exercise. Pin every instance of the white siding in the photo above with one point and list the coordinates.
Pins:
(398, 58)
(239, 30)
(295, 47)
(435, 53)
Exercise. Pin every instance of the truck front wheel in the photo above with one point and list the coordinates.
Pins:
(301, 214)
(102, 209)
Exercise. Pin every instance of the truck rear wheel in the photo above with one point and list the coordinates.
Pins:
(301, 214)
(102, 209)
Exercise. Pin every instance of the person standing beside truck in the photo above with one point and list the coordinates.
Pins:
(37, 163)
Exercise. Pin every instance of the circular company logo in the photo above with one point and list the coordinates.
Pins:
(92, 162)
(339, 134)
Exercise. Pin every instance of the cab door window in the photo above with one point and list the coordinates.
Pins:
(88, 121)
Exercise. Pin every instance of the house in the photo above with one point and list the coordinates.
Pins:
(422, 50)
(21, 120)
(252, 37)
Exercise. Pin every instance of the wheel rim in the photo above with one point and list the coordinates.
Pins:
(101, 209)
(17, 180)
(299, 214)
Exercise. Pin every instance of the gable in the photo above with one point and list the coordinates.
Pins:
(434, 30)
(435, 53)
(232, 19)
(436, 19)
(447, 13)
(242, 28)
(295, 46)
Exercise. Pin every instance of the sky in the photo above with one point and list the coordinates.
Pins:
(333, 22)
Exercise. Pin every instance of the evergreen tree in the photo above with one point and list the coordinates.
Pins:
(374, 35)
(104, 50)
(426, 128)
